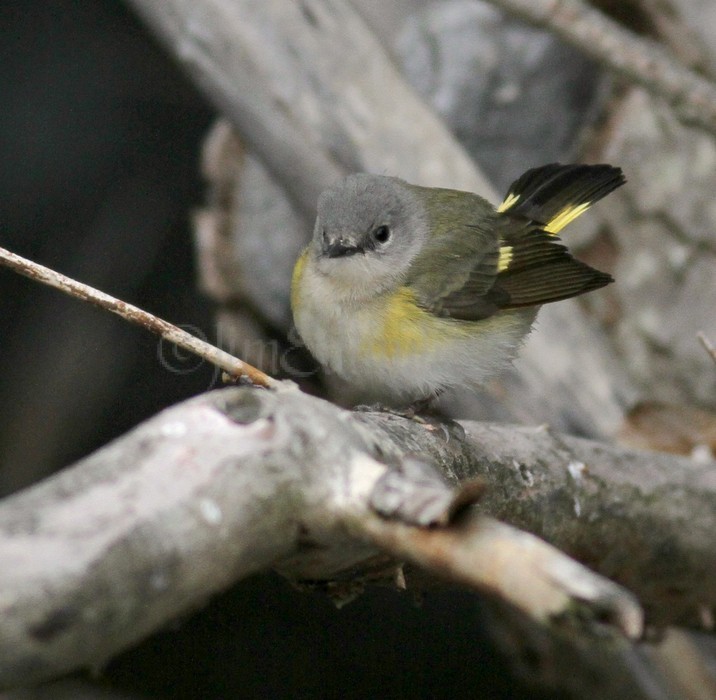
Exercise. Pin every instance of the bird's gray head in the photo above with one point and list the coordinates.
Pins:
(368, 230)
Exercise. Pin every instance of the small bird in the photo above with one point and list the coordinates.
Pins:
(405, 291)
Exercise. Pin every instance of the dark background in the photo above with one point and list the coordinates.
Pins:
(99, 145)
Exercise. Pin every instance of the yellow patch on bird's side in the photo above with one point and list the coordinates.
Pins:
(407, 329)
(503, 262)
(508, 202)
(298, 271)
(566, 216)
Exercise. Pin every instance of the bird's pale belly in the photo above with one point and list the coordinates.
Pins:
(393, 351)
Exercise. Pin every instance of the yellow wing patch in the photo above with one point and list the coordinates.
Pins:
(566, 216)
(506, 255)
(508, 203)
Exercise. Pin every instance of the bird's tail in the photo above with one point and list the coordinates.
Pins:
(534, 267)
(554, 195)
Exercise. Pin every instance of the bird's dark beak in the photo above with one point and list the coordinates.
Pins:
(340, 249)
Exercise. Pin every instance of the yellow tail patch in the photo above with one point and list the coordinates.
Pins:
(508, 203)
(555, 224)
(566, 216)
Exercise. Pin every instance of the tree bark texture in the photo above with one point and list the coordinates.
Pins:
(242, 480)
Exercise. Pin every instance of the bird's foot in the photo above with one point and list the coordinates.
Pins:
(412, 412)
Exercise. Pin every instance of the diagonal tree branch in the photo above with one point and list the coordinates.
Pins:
(641, 60)
(484, 553)
(307, 84)
(234, 367)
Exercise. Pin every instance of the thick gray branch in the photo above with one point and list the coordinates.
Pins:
(308, 86)
(644, 519)
(244, 479)
(640, 60)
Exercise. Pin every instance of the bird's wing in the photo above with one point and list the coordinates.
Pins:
(511, 257)
(457, 265)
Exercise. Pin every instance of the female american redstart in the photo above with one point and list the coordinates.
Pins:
(406, 290)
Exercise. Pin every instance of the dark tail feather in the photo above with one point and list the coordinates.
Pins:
(557, 280)
(535, 268)
(555, 194)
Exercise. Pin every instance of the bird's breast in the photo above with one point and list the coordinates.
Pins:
(344, 333)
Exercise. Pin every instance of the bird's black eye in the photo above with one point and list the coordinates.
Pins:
(381, 234)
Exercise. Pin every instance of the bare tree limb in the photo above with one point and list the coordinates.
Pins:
(545, 583)
(234, 367)
(308, 85)
(640, 60)
(241, 480)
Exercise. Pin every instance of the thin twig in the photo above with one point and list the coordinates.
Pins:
(708, 345)
(641, 60)
(234, 367)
